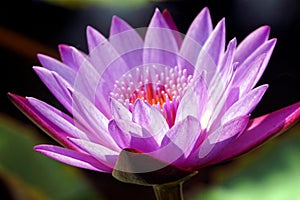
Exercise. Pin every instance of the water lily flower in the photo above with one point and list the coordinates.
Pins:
(137, 105)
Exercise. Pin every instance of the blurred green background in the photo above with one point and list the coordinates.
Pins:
(271, 172)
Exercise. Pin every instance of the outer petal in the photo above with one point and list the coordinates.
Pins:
(67, 54)
(72, 157)
(57, 85)
(63, 70)
(93, 119)
(160, 46)
(101, 153)
(94, 38)
(251, 43)
(217, 141)
(244, 105)
(51, 129)
(261, 129)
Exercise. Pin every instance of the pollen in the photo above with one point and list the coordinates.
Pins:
(159, 86)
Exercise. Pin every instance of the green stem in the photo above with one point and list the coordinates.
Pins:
(172, 191)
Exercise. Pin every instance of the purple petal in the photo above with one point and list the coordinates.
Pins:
(218, 140)
(194, 41)
(247, 80)
(93, 119)
(252, 42)
(47, 126)
(179, 141)
(103, 154)
(62, 122)
(260, 130)
(212, 52)
(59, 87)
(94, 38)
(131, 135)
(169, 20)
(245, 105)
(67, 56)
(267, 49)
(151, 119)
(193, 102)
(73, 158)
(63, 70)
(160, 45)
(127, 42)
(119, 111)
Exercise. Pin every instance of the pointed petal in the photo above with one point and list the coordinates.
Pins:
(267, 49)
(94, 38)
(47, 126)
(260, 130)
(253, 41)
(212, 52)
(105, 155)
(73, 158)
(169, 20)
(119, 111)
(93, 119)
(63, 70)
(193, 102)
(194, 40)
(151, 119)
(67, 55)
(65, 125)
(179, 141)
(127, 42)
(160, 46)
(131, 135)
(59, 87)
(245, 105)
(218, 140)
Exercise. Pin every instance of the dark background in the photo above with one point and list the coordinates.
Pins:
(38, 27)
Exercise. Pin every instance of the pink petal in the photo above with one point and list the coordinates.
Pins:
(218, 140)
(127, 42)
(151, 119)
(194, 100)
(73, 158)
(94, 38)
(193, 41)
(47, 126)
(169, 20)
(69, 57)
(179, 141)
(131, 135)
(119, 111)
(260, 130)
(245, 105)
(59, 87)
(251, 43)
(63, 70)
(160, 46)
(103, 154)
(90, 117)
(212, 52)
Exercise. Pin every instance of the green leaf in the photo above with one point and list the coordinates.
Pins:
(272, 172)
(32, 175)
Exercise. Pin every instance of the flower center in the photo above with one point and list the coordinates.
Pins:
(159, 86)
